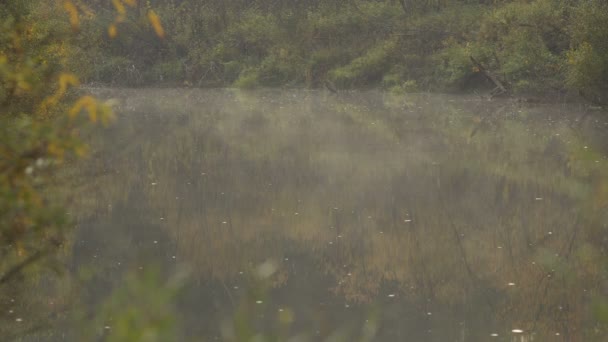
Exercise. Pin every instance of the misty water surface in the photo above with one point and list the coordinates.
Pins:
(429, 217)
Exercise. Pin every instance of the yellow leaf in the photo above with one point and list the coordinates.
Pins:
(86, 102)
(55, 150)
(72, 13)
(81, 151)
(120, 8)
(65, 80)
(112, 31)
(156, 25)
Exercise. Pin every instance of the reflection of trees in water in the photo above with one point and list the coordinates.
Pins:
(383, 197)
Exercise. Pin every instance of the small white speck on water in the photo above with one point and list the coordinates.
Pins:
(585, 147)
(241, 272)
(349, 274)
(494, 335)
(236, 287)
(286, 259)
(173, 257)
(18, 320)
(224, 222)
(407, 221)
(155, 242)
(391, 295)
(10, 311)
(517, 331)
(339, 236)
(162, 218)
(550, 233)
(280, 310)
(499, 247)
(511, 284)
(335, 208)
(539, 198)
(381, 232)
(557, 334)
(347, 306)
(141, 268)
(258, 302)
(429, 313)
(296, 213)
(153, 184)
(107, 327)
(331, 242)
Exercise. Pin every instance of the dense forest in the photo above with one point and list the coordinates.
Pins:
(529, 46)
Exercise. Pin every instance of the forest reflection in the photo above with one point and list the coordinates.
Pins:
(457, 218)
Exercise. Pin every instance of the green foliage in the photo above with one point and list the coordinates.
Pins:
(142, 309)
(365, 69)
(249, 78)
(532, 46)
(588, 59)
(454, 64)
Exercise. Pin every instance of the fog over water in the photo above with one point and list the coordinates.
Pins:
(423, 217)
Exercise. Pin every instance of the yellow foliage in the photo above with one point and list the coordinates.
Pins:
(112, 31)
(155, 22)
(55, 150)
(73, 14)
(65, 80)
(120, 8)
(86, 102)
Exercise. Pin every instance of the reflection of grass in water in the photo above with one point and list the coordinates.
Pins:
(490, 182)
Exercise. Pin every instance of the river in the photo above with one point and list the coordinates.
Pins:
(354, 216)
